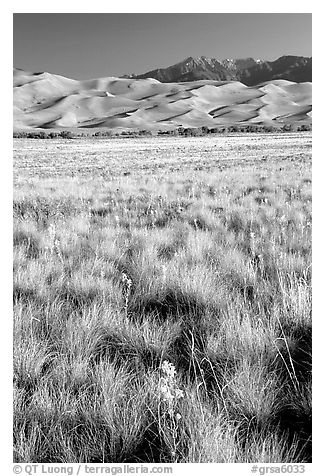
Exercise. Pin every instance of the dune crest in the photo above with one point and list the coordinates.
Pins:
(44, 100)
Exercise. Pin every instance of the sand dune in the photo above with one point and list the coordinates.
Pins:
(44, 100)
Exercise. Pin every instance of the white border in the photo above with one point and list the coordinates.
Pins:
(6, 190)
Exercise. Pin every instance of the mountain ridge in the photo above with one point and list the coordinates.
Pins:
(248, 71)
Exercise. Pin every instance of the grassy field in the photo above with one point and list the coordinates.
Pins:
(162, 299)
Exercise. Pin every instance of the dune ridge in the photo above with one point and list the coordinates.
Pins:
(45, 100)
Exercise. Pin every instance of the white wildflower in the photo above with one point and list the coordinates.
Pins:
(168, 417)
(168, 368)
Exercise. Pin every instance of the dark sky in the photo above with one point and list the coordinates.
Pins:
(90, 45)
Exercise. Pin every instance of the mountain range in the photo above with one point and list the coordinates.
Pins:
(248, 71)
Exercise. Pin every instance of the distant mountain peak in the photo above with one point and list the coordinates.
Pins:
(249, 71)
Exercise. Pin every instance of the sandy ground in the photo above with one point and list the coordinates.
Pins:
(46, 100)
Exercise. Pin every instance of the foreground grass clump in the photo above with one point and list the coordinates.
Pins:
(164, 317)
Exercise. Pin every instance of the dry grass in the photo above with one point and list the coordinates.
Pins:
(207, 267)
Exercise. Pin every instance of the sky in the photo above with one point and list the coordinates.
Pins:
(91, 45)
